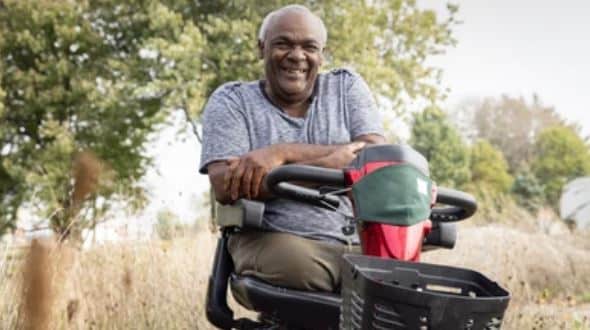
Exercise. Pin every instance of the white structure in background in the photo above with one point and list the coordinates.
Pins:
(574, 204)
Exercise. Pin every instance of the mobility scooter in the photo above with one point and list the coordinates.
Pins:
(384, 287)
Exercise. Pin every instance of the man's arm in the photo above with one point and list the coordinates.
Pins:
(371, 139)
(345, 154)
(242, 177)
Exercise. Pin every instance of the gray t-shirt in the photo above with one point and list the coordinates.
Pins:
(239, 118)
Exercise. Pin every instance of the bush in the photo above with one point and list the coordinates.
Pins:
(528, 191)
(489, 168)
(560, 155)
(442, 146)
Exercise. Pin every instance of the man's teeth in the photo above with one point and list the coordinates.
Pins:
(294, 71)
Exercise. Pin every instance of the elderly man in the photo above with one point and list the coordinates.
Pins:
(294, 115)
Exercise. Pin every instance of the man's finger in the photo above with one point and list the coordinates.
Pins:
(232, 164)
(357, 145)
(236, 180)
(257, 182)
(246, 179)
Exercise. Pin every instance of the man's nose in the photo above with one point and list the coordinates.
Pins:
(297, 54)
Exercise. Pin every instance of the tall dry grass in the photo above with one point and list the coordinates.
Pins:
(162, 284)
(548, 276)
(150, 285)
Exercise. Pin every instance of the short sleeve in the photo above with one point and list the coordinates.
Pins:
(362, 109)
(225, 130)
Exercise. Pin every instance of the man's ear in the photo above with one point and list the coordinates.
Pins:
(260, 49)
(322, 55)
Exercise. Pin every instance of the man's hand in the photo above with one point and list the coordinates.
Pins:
(342, 156)
(245, 174)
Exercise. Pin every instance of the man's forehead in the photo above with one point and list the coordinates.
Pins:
(283, 24)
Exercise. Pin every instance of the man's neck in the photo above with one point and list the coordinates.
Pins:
(296, 108)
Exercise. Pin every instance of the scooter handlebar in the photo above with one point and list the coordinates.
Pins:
(279, 181)
(461, 205)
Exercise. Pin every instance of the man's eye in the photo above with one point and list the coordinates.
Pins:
(312, 48)
(281, 45)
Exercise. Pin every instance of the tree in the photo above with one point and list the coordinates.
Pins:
(489, 169)
(442, 146)
(528, 191)
(510, 124)
(560, 155)
(87, 76)
(388, 42)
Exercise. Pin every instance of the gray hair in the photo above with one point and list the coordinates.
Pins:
(290, 8)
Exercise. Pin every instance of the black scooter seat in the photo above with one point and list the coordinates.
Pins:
(310, 310)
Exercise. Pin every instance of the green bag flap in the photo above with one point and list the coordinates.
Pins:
(396, 194)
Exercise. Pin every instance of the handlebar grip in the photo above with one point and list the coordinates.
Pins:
(277, 183)
(303, 194)
(463, 205)
(305, 173)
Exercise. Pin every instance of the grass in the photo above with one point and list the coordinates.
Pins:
(544, 273)
(162, 284)
(153, 285)
(584, 298)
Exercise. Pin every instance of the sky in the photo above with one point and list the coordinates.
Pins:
(514, 47)
(521, 47)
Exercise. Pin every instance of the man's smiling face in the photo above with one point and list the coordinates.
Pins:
(292, 52)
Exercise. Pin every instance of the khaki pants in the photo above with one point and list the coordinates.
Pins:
(288, 260)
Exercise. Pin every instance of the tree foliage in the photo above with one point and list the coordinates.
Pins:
(86, 76)
(560, 155)
(434, 137)
(510, 124)
(528, 191)
(388, 42)
(489, 169)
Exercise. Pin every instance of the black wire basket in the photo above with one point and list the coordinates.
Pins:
(380, 293)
